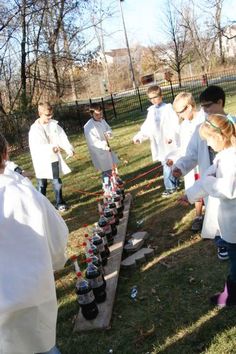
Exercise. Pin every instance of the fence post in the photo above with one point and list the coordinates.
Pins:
(113, 106)
(90, 101)
(172, 91)
(78, 112)
(103, 108)
(139, 98)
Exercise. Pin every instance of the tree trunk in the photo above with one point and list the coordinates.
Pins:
(23, 57)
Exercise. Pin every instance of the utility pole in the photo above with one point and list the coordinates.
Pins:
(127, 45)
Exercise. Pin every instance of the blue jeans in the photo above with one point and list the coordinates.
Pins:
(54, 350)
(108, 174)
(231, 248)
(57, 187)
(56, 183)
(170, 182)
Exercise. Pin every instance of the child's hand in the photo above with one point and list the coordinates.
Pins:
(169, 162)
(183, 200)
(56, 149)
(28, 174)
(108, 135)
(137, 141)
(71, 153)
(176, 172)
(168, 141)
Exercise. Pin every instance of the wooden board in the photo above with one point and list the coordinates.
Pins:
(112, 270)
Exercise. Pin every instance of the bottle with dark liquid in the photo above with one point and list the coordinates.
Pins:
(98, 230)
(104, 224)
(98, 242)
(108, 213)
(95, 279)
(85, 295)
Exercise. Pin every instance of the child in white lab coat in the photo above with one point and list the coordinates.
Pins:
(97, 134)
(161, 128)
(33, 239)
(219, 182)
(185, 107)
(212, 101)
(46, 140)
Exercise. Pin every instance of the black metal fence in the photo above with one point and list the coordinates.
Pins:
(72, 116)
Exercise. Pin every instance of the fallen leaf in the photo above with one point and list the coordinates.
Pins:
(191, 279)
(147, 333)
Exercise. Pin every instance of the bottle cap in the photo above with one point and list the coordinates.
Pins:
(73, 258)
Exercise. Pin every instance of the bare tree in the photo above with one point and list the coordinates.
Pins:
(175, 54)
(216, 7)
(201, 39)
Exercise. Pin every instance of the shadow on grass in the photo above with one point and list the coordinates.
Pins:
(172, 301)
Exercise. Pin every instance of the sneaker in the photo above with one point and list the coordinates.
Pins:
(197, 224)
(222, 253)
(168, 192)
(62, 207)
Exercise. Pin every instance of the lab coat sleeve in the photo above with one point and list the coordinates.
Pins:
(144, 133)
(196, 192)
(172, 131)
(224, 185)
(174, 155)
(94, 141)
(190, 160)
(63, 141)
(11, 165)
(224, 188)
(108, 130)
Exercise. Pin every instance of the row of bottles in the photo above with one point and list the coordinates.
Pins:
(91, 288)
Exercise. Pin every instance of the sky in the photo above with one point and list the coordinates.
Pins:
(143, 21)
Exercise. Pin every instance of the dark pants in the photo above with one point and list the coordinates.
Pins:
(231, 248)
(56, 182)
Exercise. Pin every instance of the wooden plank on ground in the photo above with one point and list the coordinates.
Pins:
(112, 270)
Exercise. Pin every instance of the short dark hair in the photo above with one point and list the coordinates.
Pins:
(95, 107)
(212, 93)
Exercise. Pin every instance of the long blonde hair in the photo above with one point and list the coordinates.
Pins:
(221, 125)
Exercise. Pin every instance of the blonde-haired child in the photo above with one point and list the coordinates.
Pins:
(219, 182)
(185, 107)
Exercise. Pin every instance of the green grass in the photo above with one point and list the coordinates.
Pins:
(172, 313)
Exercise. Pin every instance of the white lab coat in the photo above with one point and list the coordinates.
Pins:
(33, 238)
(219, 182)
(197, 153)
(41, 145)
(186, 131)
(160, 125)
(102, 158)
